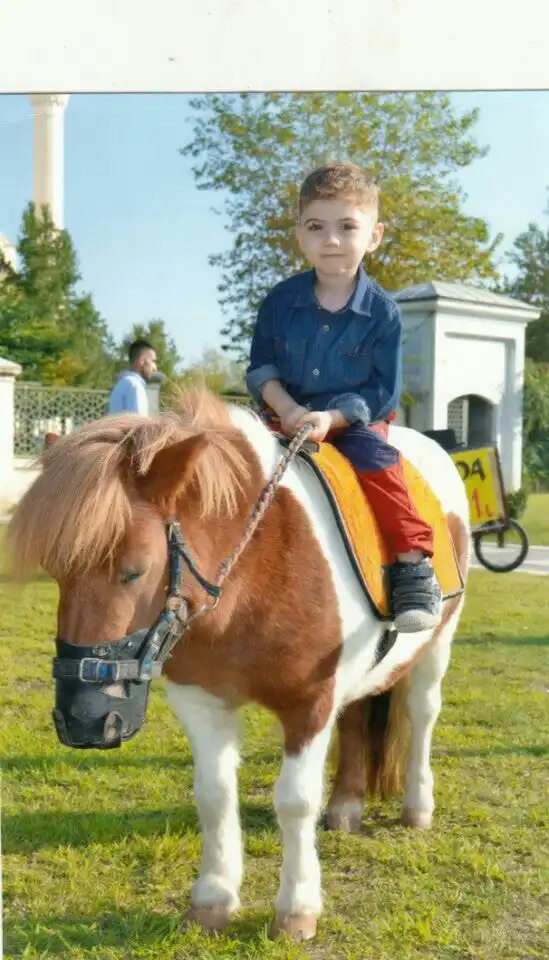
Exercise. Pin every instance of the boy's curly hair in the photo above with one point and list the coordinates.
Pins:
(339, 181)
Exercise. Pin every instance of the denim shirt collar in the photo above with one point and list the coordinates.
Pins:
(360, 301)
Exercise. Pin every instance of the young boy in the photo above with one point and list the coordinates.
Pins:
(327, 350)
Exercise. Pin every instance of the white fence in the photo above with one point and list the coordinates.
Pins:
(27, 412)
(38, 410)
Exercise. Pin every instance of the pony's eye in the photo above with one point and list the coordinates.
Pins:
(126, 578)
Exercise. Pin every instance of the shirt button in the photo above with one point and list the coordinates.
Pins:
(326, 327)
(316, 372)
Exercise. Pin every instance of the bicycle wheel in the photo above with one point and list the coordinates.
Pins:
(503, 550)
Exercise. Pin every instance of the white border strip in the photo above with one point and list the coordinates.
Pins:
(237, 45)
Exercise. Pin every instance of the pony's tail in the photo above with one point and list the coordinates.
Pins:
(386, 740)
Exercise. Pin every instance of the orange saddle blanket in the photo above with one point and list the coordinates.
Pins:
(361, 533)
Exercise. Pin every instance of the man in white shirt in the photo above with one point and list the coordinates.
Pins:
(129, 394)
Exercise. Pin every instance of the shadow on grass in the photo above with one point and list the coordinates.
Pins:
(32, 832)
(538, 750)
(86, 760)
(484, 640)
(53, 935)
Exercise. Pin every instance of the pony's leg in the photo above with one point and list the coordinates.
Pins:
(212, 729)
(346, 804)
(298, 802)
(424, 704)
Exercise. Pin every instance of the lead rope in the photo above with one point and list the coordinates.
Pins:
(261, 506)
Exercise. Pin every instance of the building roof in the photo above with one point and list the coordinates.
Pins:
(460, 292)
(7, 367)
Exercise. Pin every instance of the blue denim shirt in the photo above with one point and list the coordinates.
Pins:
(350, 360)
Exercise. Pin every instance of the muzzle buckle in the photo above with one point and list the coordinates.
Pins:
(93, 670)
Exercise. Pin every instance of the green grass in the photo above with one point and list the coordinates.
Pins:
(536, 519)
(100, 849)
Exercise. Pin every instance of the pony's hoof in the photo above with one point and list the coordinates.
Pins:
(298, 926)
(417, 819)
(343, 822)
(209, 918)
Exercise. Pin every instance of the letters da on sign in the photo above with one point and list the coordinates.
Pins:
(481, 476)
(475, 468)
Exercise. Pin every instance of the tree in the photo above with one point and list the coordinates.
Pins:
(536, 424)
(216, 371)
(46, 325)
(168, 358)
(257, 148)
(530, 255)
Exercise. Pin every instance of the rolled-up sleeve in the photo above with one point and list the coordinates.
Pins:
(353, 407)
(262, 366)
(381, 394)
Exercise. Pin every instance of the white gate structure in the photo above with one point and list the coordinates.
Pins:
(464, 366)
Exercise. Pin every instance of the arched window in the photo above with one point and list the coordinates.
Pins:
(471, 417)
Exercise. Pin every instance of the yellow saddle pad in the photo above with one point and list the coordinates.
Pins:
(361, 533)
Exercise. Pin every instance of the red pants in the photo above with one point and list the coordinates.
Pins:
(378, 466)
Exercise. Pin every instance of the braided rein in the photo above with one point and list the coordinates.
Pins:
(262, 504)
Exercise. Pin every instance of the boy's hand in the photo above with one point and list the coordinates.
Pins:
(322, 422)
(290, 420)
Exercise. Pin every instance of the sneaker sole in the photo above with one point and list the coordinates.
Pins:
(414, 621)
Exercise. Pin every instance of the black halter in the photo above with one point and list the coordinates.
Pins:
(90, 711)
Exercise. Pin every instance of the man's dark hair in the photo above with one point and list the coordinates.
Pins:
(137, 348)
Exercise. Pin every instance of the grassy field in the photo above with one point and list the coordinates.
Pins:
(536, 519)
(99, 850)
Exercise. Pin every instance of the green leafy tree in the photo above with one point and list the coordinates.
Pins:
(46, 324)
(530, 256)
(257, 148)
(168, 358)
(216, 371)
(536, 424)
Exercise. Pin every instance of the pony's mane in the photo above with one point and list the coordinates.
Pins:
(75, 514)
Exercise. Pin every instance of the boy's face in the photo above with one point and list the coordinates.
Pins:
(334, 235)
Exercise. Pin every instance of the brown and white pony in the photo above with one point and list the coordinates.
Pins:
(292, 632)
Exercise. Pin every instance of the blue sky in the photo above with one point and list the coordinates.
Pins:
(143, 231)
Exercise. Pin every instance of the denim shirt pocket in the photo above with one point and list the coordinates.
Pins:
(290, 357)
(354, 364)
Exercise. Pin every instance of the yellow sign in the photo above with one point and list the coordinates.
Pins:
(479, 470)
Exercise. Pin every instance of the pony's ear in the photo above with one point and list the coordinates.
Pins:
(171, 470)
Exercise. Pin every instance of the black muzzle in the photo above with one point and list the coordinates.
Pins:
(102, 691)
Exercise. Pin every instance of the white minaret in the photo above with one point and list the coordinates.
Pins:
(49, 111)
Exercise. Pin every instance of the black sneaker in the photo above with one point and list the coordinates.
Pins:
(416, 597)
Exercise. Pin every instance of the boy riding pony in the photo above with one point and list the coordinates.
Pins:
(327, 350)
